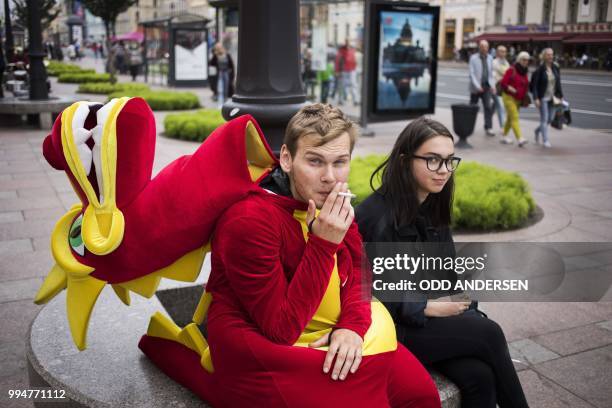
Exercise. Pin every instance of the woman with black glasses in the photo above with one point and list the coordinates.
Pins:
(413, 204)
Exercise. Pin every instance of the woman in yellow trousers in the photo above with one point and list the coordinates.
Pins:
(514, 86)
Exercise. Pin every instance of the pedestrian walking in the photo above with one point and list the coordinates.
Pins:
(325, 79)
(515, 85)
(118, 57)
(224, 64)
(346, 64)
(500, 66)
(545, 86)
(481, 83)
(135, 60)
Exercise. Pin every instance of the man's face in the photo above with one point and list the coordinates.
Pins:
(314, 170)
(483, 47)
(501, 52)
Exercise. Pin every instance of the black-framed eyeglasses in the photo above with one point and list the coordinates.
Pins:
(434, 163)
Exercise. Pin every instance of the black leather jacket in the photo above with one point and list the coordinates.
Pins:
(375, 225)
(539, 82)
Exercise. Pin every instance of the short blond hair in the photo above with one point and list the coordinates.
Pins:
(322, 120)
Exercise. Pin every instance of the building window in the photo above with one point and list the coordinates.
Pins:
(469, 25)
(546, 12)
(602, 11)
(347, 34)
(522, 10)
(572, 11)
(449, 38)
(499, 5)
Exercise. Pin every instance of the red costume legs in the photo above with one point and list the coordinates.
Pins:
(410, 385)
(288, 376)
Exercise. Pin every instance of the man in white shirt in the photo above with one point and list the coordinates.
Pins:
(481, 83)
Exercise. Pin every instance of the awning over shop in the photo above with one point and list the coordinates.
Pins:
(590, 38)
(522, 37)
(133, 36)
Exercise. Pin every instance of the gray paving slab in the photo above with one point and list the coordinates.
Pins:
(35, 264)
(15, 246)
(525, 320)
(16, 318)
(26, 229)
(605, 325)
(575, 340)
(543, 393)
(14, 382)
(11, 216)
(21, 289)
(12, 355)
(587, 375)
(527, 351)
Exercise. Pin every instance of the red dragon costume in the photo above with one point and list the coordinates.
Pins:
(274, 288)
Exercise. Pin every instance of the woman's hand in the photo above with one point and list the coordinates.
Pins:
(346, 346)
(444, 309)
(537, 103)
(511, 89)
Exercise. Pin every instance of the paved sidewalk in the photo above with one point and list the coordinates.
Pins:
(567, 346)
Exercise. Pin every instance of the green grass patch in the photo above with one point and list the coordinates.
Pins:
(163, 100)
(486, 198)
(194, 126)
(80, 78)
(105, 88)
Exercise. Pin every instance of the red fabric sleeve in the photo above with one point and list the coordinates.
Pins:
(249, 248)
(355, 295)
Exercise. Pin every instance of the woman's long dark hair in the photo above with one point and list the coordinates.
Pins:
(397, 181)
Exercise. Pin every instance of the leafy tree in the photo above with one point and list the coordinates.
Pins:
(108, 11)
(49, 10)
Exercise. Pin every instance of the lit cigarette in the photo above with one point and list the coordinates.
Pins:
(351, 195)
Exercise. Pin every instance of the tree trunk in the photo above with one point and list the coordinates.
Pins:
(110, 61)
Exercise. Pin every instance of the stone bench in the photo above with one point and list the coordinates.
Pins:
(14, 108)
(113, 371)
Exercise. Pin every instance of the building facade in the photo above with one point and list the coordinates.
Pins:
(579, 31)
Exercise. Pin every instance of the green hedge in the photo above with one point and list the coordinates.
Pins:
(79, 78)
(195, 126)
(163, 100)
(107, 88)
(56, 68)
(486, 198)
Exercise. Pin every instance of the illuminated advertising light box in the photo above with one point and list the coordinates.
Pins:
(401, 49)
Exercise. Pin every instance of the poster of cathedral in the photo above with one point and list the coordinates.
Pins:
(403, 59)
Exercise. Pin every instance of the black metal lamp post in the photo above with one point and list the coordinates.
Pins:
(268, 82)
(8, 31)
(38, 73)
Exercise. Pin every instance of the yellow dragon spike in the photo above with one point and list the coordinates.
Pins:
(123, 294)
(54, 283)
(82, 294)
